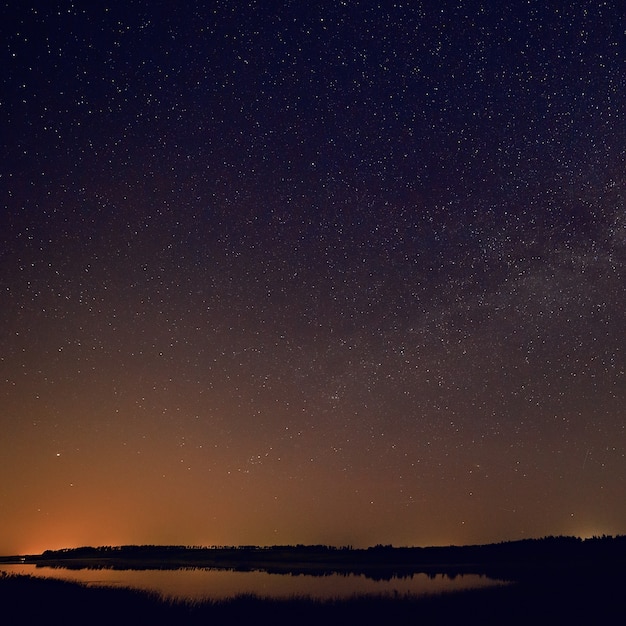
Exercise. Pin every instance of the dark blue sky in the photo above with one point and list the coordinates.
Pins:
(332, 272)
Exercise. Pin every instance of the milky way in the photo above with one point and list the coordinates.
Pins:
(335, 272)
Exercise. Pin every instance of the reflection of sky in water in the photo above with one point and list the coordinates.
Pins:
(223, 583)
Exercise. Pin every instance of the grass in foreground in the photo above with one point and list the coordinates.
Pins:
(590, 599)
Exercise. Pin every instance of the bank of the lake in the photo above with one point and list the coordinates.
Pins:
(199, 584)
(555, 580)
(576, 600)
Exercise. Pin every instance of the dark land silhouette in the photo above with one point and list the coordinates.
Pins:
(554, 580)
(512, 560)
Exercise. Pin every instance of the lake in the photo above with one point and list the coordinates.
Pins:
(217, 584)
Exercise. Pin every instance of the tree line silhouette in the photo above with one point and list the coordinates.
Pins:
(511, 560)
(557, 580)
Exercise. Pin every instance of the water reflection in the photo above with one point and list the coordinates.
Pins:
(217, 584)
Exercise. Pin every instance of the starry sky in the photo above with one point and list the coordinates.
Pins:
(311, 272)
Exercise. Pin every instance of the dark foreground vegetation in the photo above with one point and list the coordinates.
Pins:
(555, 580)
(581, 598)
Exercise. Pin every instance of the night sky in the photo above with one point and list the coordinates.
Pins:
(311, 272)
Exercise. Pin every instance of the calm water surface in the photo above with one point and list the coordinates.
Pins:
(199, 584)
